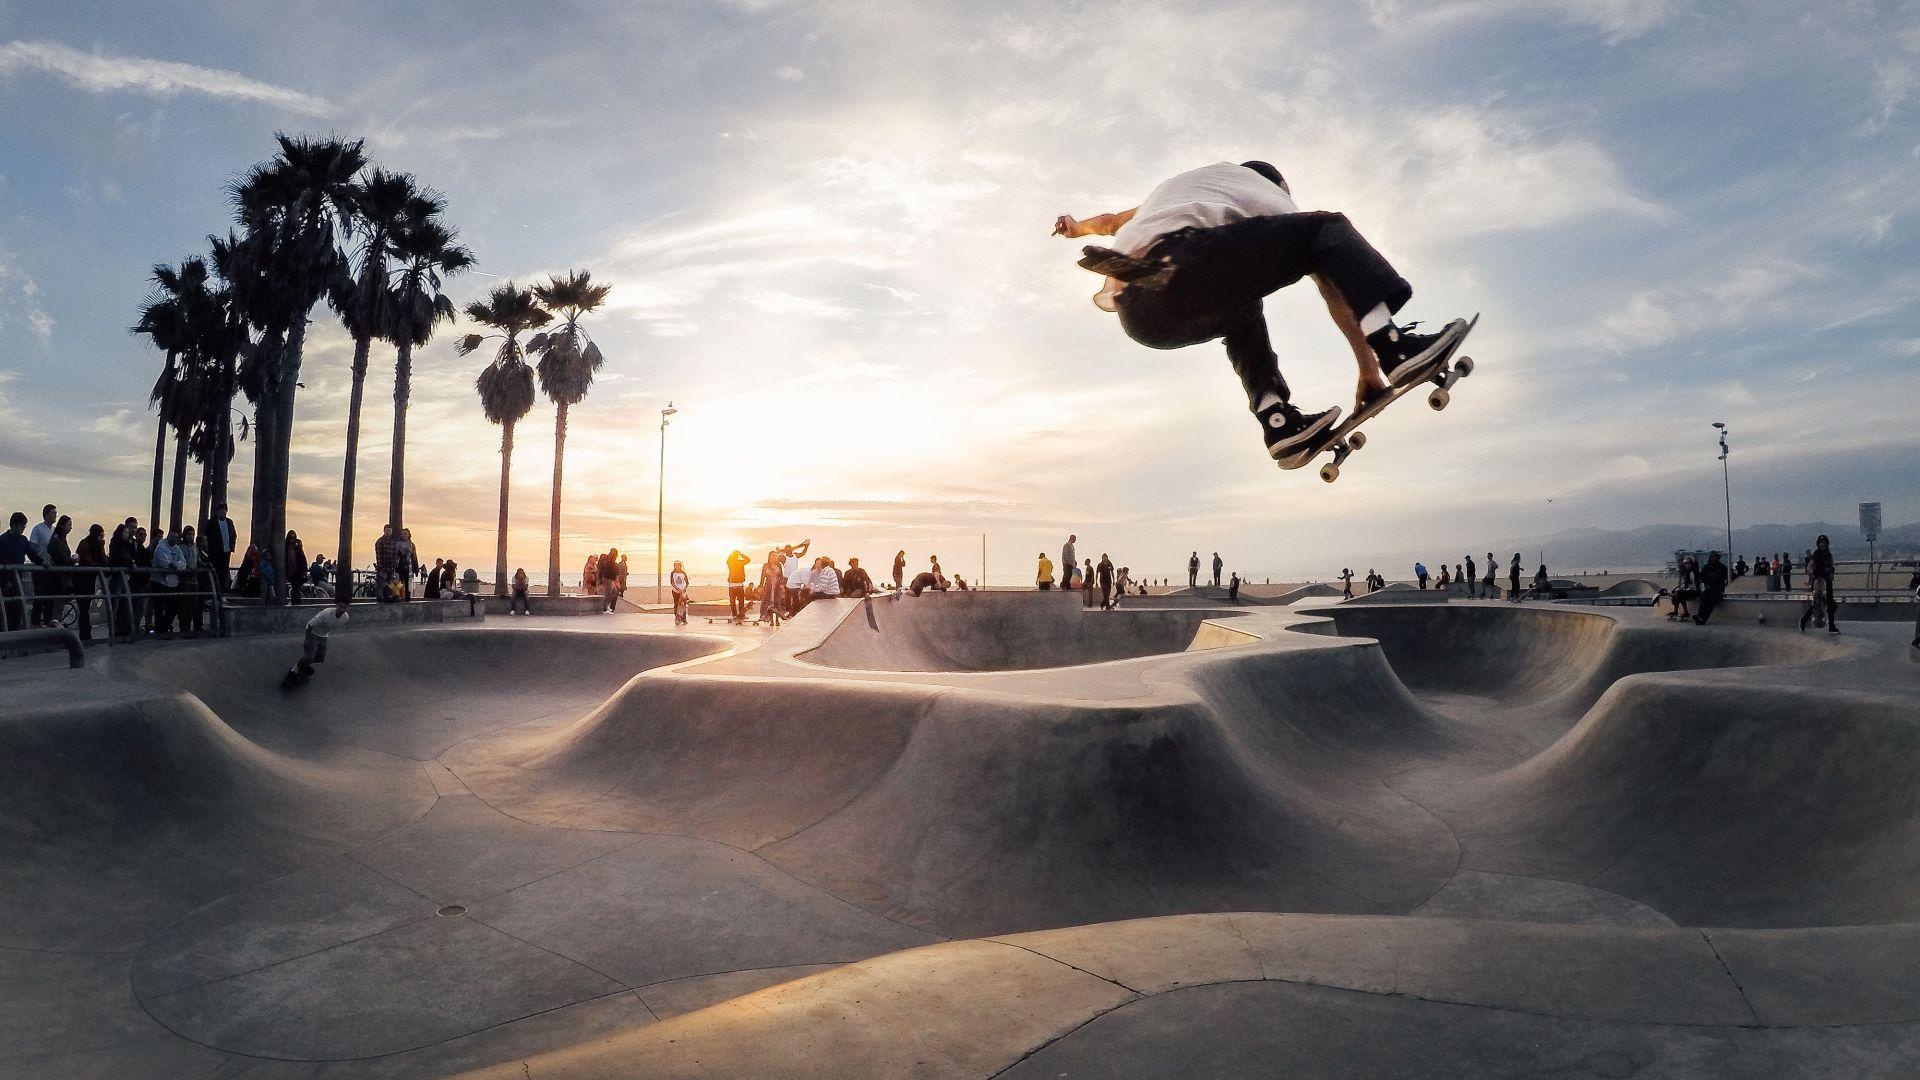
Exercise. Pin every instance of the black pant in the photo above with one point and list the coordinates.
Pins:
(1193, 577)
(737, 600)
(1709, 599)
(1221, 274)
(1106, 591)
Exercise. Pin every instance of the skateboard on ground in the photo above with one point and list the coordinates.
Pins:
(296, 676)
(1438, 374)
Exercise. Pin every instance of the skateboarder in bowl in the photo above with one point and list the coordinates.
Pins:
(313, 648)
(1193, 262)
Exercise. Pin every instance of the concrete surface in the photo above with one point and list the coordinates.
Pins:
(972, 835)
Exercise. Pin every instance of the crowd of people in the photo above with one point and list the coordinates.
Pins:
(1699, 589)
(170, 580)
(1103, 579)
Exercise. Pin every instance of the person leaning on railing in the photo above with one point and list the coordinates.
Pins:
(90, 556)
(15, 550)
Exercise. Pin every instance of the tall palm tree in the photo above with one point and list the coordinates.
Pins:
(568, 361)
(426, 255)
(364, 300)
(164, 319)
(506, 386)
(295, 211)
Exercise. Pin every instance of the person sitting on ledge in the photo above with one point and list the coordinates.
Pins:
(855, 581)
(519, 601)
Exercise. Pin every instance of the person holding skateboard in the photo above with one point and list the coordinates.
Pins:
(313, 648)
(1193, 262)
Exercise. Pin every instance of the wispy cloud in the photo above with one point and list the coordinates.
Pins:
(102, 72)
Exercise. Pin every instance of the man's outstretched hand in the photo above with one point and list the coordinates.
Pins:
(1064, 225)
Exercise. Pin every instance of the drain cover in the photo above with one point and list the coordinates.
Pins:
(451, 910)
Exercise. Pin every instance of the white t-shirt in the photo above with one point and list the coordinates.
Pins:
(799, 574)
(1204, 197)
(324, 623)
(678, 581)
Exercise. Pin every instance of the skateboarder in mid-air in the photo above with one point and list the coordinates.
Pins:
(1192, 263)
(314, 649)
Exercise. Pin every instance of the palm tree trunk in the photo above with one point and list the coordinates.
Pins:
(222, 450)
(159, 477)
(553, 522)
(506, 473)
(402, 391)
(206, 491)
(266, 422)
(179, 502)
(343, 575)
(283, 456)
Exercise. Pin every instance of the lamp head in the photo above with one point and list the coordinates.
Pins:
(1720, 425)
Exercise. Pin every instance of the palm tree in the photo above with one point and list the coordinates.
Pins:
(163, 318)
(365, 303)
(295, 210)
(427, 255)
(568, 361)
(506, 386)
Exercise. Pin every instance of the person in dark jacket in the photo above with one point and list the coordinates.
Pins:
(1819, 566)
(1104, 570)
(1713, 586)
(295, 558)
(90, 555)
(856, 582)
(1513, 578)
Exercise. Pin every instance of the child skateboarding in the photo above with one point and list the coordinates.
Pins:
(1193, 262)
(313, 649)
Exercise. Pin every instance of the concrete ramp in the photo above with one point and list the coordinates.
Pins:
(981, 631)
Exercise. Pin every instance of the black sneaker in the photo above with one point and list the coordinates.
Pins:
(1406, 356)
(1146, 273)
(1288, 431)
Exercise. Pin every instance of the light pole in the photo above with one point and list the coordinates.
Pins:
(1726, 485)
(660, 516)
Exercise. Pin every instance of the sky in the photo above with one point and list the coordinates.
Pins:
(827, 227)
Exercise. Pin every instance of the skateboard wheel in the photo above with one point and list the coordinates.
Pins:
(1356, 440)
(1329, 473)
(1465, 366)
(1438, 399)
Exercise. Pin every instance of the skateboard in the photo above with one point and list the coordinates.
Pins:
(1439, 374)
(296, 677)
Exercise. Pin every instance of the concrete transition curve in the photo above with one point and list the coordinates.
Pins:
(1357, 838)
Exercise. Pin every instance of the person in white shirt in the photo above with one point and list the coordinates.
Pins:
(677, 581)
(799, 576)
(168, 558)
(45, 611)
(826, 580)
(1192, 263)
(313, 648)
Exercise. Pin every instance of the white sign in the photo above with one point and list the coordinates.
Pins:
(1870, 521)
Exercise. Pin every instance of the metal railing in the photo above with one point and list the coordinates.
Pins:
(127, 598)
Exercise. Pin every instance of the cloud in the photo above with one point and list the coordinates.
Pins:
(100, 72)
(789, 73)
(20, 300)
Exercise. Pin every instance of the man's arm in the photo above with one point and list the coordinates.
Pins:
(1099, 225)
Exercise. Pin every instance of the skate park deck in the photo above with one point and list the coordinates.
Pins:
(1359, 839)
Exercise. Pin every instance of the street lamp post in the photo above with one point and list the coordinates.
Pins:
(1726, 485)
(660, 516)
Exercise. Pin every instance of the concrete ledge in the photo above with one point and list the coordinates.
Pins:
(27, 642)
(558, 605)
(247, 620)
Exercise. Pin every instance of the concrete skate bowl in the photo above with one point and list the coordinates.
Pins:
(964, 812)
(407, 692)
(118, 813)
(1009, 632)
(1530, 653)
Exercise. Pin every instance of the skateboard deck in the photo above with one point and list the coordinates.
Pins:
(1437, 376)
(295, 678)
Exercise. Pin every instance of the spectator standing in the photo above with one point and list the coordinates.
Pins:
(1493, 569)
(1786, 571)
(1104, 569)
(1513, 579)
(407, 560)
(1217, 565)
(192, 607)
(737, 585)
(1346, 580)
(386, 555)
(620, 577)
(168, 560)
(1773, 573)
(1420, 572)
(15, 550)
(590, 576)
(610, 583)
(899, 570)
(1193, 570)
(1233, 589)
(296, 563)
(221, 544)
(1043, 576)
(519, 602)
(43, 585)
(773, 584)
(90, 556)
(1068, 561)
(60, 556)
(677, 581)
(1473, 583)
